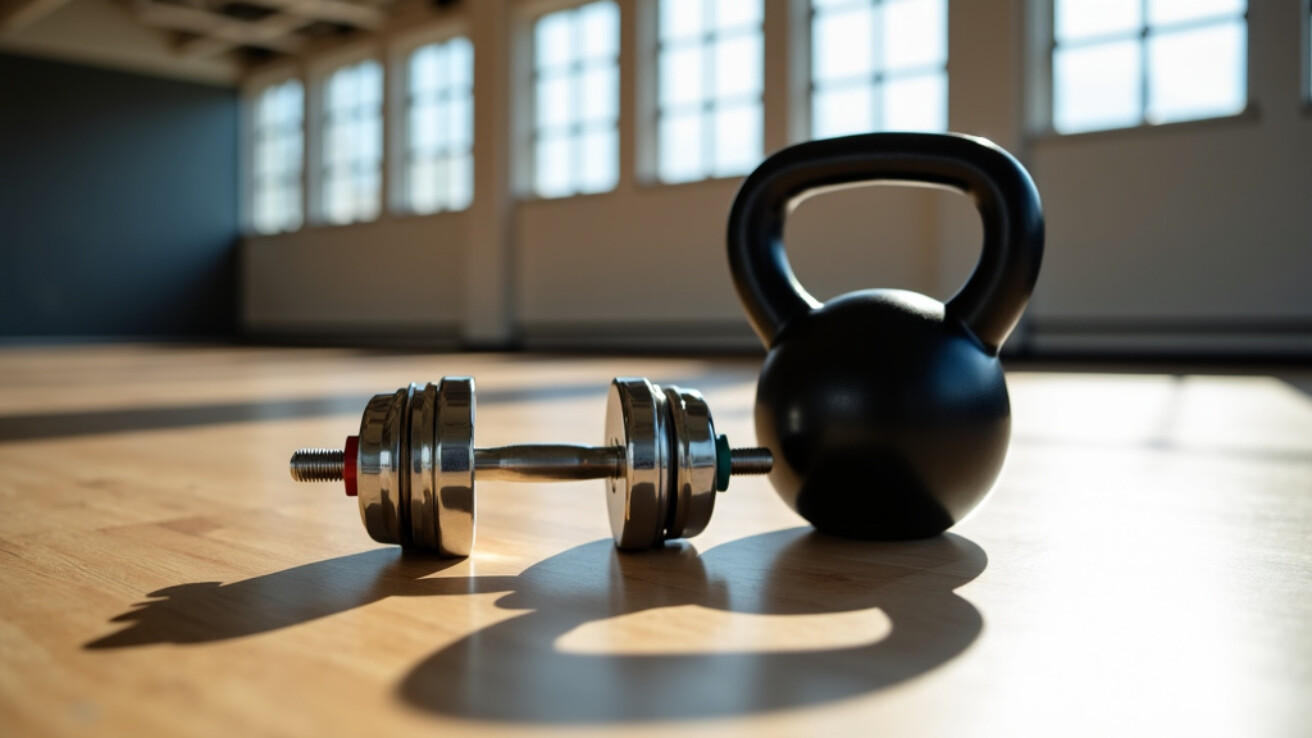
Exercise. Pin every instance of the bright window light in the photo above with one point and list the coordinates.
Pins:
(576, 100)
(1123, 63)
(351, 176)
(710, 79)
(439, 172)
(878, 65)
(277, 158)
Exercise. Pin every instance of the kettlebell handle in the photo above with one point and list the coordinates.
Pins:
(991, 301)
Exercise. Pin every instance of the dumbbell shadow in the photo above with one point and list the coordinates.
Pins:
(204, 612)
(516, 670)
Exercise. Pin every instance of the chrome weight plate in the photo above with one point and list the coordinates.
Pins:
(381, 473)
(637, 422)
(692, 436)
(453, 461)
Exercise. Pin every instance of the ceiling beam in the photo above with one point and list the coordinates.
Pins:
(216, 30)
(332, 11)
(275, 32)
(16, 15)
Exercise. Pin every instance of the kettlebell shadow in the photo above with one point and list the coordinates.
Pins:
(516, 671)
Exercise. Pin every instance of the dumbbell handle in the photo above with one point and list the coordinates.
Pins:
(542, 461)
(526, 462)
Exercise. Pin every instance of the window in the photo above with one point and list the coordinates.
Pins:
(576, 100)
(710, 77)
(351, 174)
(878, 65)
(1121, 63)
(439, 172)
(277, 155)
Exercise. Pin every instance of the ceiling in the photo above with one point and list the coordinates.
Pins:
(192, 34)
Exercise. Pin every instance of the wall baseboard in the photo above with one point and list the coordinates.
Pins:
(1239, 339)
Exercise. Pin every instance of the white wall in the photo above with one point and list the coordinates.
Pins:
(1196, 236)
(1192, 237)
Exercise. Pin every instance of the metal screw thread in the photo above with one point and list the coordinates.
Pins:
(318, 464)
(750, 461)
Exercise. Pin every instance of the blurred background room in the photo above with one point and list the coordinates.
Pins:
(226, 224)
(551, 174)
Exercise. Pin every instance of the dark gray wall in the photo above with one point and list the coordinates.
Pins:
(118, 203)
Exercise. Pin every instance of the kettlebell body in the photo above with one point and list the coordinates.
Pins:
(887, 410)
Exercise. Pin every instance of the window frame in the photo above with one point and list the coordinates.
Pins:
(397, 112)
(316, 80)
(650, 112)
(524, 126)
(251, 90)
(877, 78)
(1042, 91)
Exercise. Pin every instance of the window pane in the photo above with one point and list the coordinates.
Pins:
(1083, 19)
(915, 34)
(710, 88)
(1096, 87)
(598, 167)
(335, 145)
(681, 19)
(290, 205)
(738, 66)
(266, 164)
(279, 157)
(843, 111)
(462, 182)
(353, 143)
(371, 140)
(422, 187)
(460, 62)
(423, 70)
(1196, 73)
(842, 44)
(599, 30)
(681, 147)
(441, 174)
(554, 101)
(732, 14)
(370, 83)
(553, 167)
(1181, 11)
(296, 155)
(916, 103)
(439, 126)
(682, 77)
(578, 105)
(552, 40)
(368, 190)
(460, 122)
(598, 99)
(737, 139)
(334, 199)
(423, 128)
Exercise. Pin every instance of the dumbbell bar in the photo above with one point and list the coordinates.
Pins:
(414, 463)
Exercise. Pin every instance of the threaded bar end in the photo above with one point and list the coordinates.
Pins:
(750, 461)
(318, 465)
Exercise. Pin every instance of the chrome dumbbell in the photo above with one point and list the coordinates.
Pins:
(413, 465)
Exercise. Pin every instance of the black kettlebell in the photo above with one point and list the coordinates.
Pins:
(887, 411)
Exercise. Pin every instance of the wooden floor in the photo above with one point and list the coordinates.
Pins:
(1143, 567)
